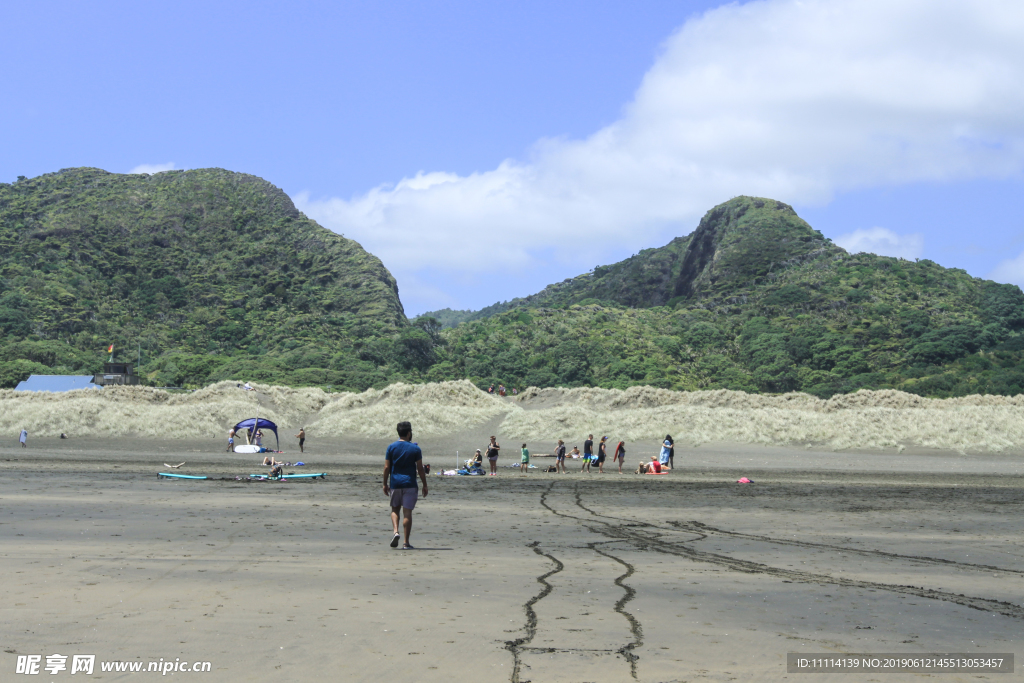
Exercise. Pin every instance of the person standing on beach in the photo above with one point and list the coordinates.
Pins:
(602, 454)
(23, 438)
(620, 454)
(492, 456)
(588, 453)
(402, 463)
(301, 436)
(231, 440)
(560, 457)
(524, 464)
(666, 447)
(671, 454)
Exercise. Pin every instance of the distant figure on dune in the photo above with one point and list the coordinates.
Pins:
(301, 436)
(24, 439)
(490, 389)
(402, 463)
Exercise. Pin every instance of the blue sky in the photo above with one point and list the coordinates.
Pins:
(484, 150)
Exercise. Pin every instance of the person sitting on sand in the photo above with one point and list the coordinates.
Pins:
(277, 471)
(575, 452)
(653, 467)
(478, 459)
(271, 461)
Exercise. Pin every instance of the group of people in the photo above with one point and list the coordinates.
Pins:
(403, 463)
(501, 390)
(257, 438)
(659, 463)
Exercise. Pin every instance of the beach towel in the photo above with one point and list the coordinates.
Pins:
(744, 480)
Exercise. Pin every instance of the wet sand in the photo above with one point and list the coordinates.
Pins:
(543, 577)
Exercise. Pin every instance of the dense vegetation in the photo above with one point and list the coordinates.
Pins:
(209, 274)
(215, 275)
(757, 300)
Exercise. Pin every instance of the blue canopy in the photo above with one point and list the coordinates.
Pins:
(259, 423)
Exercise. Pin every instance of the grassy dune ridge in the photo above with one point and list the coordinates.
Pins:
(866, 419)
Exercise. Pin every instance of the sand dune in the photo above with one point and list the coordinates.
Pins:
(866, 419)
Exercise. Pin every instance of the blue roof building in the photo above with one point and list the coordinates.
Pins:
(57, 383)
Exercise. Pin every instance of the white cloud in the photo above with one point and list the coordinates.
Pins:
(883, 242)
(790, 99)
(153, 168)
(1009, 271)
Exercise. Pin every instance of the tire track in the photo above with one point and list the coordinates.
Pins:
(517, 645)
(704, 529)
(648, 541)
(634, 626)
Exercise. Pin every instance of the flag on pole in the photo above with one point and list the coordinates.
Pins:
(111, 352)
(111, 349)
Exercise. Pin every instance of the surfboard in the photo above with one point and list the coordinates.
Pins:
(305, 476)
(247, 448)
(178, 476)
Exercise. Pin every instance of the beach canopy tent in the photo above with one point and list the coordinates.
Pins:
(57, 383)
(258, 423)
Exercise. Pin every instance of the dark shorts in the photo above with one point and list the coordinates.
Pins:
(405, 498)
(302, 441)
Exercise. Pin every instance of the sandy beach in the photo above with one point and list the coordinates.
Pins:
(541, 577)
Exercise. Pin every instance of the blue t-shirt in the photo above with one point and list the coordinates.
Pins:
(403, 456)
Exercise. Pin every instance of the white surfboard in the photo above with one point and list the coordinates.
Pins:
(244, 448)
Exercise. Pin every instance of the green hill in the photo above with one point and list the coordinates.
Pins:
(215, 275)
(210, 274)
(754, 299)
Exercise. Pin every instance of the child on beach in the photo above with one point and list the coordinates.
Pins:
(524, 465)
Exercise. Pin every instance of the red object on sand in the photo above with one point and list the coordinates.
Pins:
(743, 480)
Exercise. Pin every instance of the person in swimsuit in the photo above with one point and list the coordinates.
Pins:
(560, 457)
(231, 440)
(301, 436)
(620, 454)
(492, 456)
(524, 463)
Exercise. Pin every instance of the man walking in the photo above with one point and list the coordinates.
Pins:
(402, 462)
